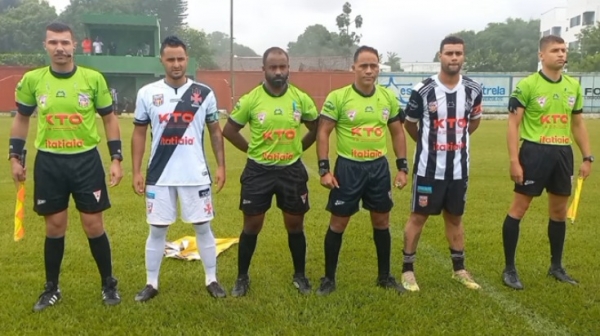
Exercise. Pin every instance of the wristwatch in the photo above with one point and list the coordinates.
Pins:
(323, 171)
(117, 157)
(589, 158)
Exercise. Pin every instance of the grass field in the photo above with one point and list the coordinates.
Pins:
(273, 306)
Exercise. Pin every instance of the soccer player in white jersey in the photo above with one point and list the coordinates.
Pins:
(442, 112)
(178, 110)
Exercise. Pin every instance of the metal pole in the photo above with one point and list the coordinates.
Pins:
(231, 72)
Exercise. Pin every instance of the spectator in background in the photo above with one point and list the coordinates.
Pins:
(86, 45)
(115, 97)
(112, 49)
(98, 46)
(146, 49)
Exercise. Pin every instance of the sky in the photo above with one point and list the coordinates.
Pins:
(412, 31)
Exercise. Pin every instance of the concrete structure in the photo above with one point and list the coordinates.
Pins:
(568, 21)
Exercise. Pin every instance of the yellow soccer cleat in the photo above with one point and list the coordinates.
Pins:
(409, 281)
(465, 278)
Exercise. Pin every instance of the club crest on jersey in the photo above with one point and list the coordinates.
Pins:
(297, 116)
(432, 107)
(196, 97)
(386, 114)
(261, 117)
(42, 100)
(541, 101)
(84, 100)
(571, 101)
(351, 115)
(158, 99)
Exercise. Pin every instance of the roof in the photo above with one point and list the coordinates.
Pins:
(120, 19)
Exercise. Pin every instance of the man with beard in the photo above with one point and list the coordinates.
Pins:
(275, 111)
(361, 114)
(178, 111)
(546, 113)
(442, 112)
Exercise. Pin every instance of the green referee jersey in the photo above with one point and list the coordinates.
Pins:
(66, 106)
(361, 121)
(548, 108)
(275, 123)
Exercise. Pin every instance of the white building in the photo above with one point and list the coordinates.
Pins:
(568, 21)
(421, 67)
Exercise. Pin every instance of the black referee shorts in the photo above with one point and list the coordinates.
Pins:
(369, 181)
(58, 176)
(547, 167)
(261, 182)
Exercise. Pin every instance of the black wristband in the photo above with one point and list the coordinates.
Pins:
(114, 148)
(324, 164)
(16, 147)
(402, 164)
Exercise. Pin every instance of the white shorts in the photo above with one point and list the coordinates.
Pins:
(195, 201)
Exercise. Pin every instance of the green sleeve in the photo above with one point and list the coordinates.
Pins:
(104, 100)
(330, 108)
(25, 95)
(309, 109)
(241, 112)
(578, 108)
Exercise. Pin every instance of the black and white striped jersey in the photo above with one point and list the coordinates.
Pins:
(443, 116)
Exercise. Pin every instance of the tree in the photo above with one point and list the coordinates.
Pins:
(586, 58)
(198, 48)
(6, 4)
(509, 46)
(393, 61)
(344, 21)
(316, 41)
(22, 28)
(219, 43)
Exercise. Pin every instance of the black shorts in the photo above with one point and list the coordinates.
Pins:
(368, 181)
(260, 183)
(547, 167)
(58, 176)
(431, 196)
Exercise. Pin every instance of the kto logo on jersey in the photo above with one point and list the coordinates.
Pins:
(450, 123)
(178, 117)
(289, 134)
(64, 120)
(367, 131)
(554, 119)
(177, 141)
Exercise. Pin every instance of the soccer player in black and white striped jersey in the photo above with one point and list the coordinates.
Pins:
(442, 112)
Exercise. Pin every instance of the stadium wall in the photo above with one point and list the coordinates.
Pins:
(497, 86)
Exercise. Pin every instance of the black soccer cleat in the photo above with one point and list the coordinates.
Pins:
(216, 290)
(327, 286)
(241, 287)
(561, 275)
(389, 282)
(510, 277)
(146, 294)
(110, 294)
(48, 298)
(302, 284)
